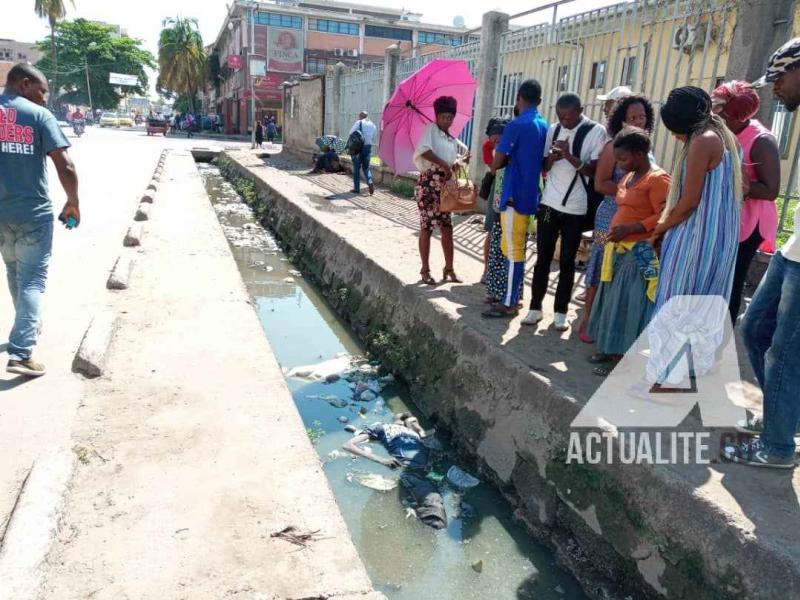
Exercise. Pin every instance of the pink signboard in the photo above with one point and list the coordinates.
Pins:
(235, 61)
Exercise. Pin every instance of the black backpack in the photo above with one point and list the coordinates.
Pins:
(355, 143)
(593, 198)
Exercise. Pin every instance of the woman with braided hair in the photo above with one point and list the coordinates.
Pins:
(700, 231)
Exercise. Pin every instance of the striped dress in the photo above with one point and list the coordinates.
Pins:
(697, 259)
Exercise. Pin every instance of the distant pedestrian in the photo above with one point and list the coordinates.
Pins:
(771, 324)
(26, 213)
(436, 156)
(362, 134)
(259, 134)
(272, 129)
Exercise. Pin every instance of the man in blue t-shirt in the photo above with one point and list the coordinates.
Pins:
(520, 152)
(29, 133)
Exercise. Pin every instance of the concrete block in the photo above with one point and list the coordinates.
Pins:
(90, 360)
(120, 274)
(148, 196)
(33, 525)
(134, 235)
(143, 212)
(153, 185)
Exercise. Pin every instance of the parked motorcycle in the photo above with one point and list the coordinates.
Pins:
(78, 127)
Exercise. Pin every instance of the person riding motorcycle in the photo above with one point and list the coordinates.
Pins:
(78, 124)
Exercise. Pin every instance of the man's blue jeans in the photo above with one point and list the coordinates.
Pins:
(26, 249)
(771, 332)
(361, 161)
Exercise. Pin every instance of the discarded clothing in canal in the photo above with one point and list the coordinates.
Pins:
(430, 504)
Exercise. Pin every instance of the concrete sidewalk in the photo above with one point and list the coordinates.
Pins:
(192, 452)
(508, 394)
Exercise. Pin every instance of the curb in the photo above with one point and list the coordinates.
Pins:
(143, 212)
(90, 359)
(120, 274)
(33, 525)
(134, 236)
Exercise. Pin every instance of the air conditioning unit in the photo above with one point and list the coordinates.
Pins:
(338, 51)
(353, 52)
(690, 37)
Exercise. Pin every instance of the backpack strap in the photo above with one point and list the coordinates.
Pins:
(577, 148)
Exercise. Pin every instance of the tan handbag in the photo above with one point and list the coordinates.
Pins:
(458, 195)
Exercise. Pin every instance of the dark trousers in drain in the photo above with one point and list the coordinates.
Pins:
(550, 224)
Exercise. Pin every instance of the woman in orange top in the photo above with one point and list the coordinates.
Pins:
(624, 302)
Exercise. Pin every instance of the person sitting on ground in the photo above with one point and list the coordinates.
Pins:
(327, 162)
(629, 274)
(402, 440)
(636, 111)
(737, 102)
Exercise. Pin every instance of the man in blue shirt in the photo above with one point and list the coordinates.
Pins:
(29, 133)
(520, 152)
(361, 159)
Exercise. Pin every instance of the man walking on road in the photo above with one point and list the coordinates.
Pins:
(366, 130)
(771, 324)
(28, 134)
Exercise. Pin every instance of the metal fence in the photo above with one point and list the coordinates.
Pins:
(361, 90)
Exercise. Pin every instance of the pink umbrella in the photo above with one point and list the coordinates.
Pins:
(410, 109)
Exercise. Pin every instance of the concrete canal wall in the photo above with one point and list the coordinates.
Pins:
(639, 531)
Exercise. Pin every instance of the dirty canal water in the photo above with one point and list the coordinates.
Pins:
(482, 553)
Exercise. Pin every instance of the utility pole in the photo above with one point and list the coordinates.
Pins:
(250, 55)
(89, 87)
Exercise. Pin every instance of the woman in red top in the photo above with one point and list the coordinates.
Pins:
(625, 297)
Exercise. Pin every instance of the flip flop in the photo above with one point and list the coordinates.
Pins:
(600, 358)
(499, 312)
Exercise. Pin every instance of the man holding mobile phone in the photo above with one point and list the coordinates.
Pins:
(29, 133)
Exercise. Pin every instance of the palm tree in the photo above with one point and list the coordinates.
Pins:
(53, 11)
(181, 57)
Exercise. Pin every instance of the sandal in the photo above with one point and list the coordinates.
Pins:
(426, 277)
(603, 371)
(450, 275)
(600, 358)
(498, 311)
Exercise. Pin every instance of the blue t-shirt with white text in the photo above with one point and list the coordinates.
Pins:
(28, 133)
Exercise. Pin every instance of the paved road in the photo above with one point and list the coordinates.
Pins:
(114, 168)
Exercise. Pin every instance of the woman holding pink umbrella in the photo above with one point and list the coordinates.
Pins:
(435, 157)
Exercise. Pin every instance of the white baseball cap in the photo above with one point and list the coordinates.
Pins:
(618, 93)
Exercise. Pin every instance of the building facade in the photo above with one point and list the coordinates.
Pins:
(13, 52)
(286, 38)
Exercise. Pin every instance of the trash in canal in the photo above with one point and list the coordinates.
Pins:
(461, 479)
(373, 481)
(322, 370)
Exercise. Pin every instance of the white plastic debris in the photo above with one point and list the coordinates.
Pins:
(321, 370)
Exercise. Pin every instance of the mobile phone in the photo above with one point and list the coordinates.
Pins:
(70, 222)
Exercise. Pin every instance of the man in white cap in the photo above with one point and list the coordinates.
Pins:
(362, 133)
(611, 98)
(771, 324)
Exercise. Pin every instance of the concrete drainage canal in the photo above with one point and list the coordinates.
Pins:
(481, 553)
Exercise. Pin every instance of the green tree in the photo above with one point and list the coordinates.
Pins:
(181, 58)
(88, 48)
(53, 11)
